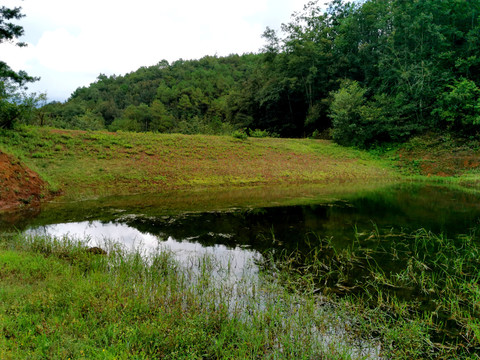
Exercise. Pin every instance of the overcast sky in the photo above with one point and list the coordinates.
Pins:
(70, 42)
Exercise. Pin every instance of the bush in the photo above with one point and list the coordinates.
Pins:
(240, 134)
(87, 121)
(257, 133)
(324, 134)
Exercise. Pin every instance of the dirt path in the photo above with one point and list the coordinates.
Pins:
(19, 186)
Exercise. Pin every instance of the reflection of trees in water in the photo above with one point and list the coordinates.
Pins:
(410, 207)
(240, 228)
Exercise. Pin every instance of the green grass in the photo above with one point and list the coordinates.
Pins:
(417, 293)
(59, 302)
(94, 164)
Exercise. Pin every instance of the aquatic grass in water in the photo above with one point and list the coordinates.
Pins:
(417, 293)
(58, 301)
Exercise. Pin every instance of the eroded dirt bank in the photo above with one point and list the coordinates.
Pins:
(19, 186)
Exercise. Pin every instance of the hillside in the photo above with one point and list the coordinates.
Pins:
(365, 73)
(84, 165)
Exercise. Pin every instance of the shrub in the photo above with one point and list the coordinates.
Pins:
(257, 133)
(240, 134)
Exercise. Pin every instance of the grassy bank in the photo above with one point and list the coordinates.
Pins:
(91, 164)
(440, 158)
(58, 301)
(88, 165)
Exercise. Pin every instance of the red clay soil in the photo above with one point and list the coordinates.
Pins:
(19, 186)
(433, 157)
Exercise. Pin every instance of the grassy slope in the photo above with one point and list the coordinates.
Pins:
(90, 164)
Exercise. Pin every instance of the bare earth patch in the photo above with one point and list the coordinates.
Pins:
(19, 186)
(435, 156)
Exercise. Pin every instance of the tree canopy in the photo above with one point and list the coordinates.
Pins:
(366, 72)
(10, 80)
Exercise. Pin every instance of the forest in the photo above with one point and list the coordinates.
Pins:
(363, 73)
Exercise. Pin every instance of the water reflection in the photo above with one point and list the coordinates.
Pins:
(239, 238)
(402, 208)
(237, 259)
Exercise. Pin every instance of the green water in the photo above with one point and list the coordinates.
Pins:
(243, 220)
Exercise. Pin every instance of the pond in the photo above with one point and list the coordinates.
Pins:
(404, 207)
(245, 232)
(368, 224)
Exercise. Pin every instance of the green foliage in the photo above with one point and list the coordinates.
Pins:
(459, 106)
(9, 113)
(240, 134)
(416, 63)
(187, 96)
(10, 81)
(257, 133)
(16, 106)
(403, 53)
(161, 120)
(124, 124)
(346, 113)
(87, 121)
(360, 122)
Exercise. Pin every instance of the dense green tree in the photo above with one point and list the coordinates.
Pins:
(10, 81)
(375, 71)
(139, 114)
(346, 112)
(161, 120)
(460, 107)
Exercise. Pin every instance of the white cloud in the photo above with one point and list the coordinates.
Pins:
(76, 40)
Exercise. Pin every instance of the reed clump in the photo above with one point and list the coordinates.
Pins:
(418, 294)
